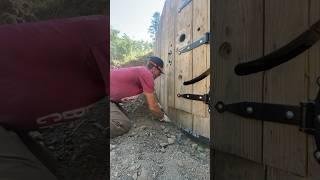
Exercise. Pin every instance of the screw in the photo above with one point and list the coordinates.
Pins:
(187, 96)
(220, 106)
(249, 110)
(200, 97)
(289, 115)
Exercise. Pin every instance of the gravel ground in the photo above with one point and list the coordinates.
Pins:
(155, 150)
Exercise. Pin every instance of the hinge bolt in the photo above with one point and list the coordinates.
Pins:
(249, 110)
(220, 106)
(200, 97)
(317, 155)
(187, 96)
(318, 118)
(289, 115)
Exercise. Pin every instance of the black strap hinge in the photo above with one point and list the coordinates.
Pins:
(306, 116)
(204, 40)
(184, 4)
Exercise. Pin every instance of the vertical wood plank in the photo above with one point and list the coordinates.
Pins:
(164, 54)
(229, 167)
(284, 146)
(200, 64)
(200, 26)
(238, 37)
(171, 56)
(314, 73)
(183, 62)
(184, 119)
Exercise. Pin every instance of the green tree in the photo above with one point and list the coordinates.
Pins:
(153, 28)
(124, 49)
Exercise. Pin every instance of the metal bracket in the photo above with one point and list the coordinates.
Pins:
(204, 40)
(185, 3)
(306, 116)
(204, 98)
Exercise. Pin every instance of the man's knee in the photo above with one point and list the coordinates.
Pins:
(119, 122)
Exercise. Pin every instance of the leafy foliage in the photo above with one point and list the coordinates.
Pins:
(124, 49)
(18, 11)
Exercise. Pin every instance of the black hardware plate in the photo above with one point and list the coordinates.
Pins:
(205, 98)
(185, 3)
(204, 40)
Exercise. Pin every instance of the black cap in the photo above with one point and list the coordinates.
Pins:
(157, 61)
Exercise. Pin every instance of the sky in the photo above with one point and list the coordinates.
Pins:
(133, 17)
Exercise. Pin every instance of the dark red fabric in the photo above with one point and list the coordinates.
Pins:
(50, 68)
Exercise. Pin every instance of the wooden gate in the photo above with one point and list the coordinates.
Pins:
(244, 30)
(183, 22)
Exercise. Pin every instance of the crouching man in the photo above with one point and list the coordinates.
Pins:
(126, 84)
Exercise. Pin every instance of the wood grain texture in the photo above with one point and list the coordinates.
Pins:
(277, 174)
(314, 73)
(237, 29)
(284, 147)
(170, 73)
(183, 62)
(229, 167)
(201, 120)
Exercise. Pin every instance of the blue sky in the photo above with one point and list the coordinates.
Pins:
(133, 17)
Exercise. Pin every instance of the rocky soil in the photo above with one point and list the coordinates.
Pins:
(155, 150)
(79, 147)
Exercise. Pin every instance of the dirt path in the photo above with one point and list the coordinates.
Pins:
(155, 150)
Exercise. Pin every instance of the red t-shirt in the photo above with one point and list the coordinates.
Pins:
(52, 71)
(129, 82)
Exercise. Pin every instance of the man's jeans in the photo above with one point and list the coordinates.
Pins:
(119, 122)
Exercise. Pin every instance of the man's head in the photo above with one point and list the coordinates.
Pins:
(155, 65)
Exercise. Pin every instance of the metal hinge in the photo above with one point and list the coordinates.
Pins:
(204, 98)
(306, 116)
(185, 3)
(204, 40)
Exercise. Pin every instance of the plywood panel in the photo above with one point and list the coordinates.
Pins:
(284, 146)
(229, 167)
(183, 62)
(238, 37)
(314, 73)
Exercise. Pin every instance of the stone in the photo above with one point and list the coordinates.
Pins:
(194, 146)
(112, 146)
(163, 144)
(171, 141)
(36, 135)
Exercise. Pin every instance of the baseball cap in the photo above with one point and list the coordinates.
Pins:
(157, 62)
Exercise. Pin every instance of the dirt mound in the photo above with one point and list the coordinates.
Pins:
(155, 150)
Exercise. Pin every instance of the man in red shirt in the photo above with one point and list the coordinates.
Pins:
(126, 84)
(50, 72)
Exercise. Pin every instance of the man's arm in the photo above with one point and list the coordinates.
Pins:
(153, 104)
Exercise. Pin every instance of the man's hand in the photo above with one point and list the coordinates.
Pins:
(153, 105)
(165, 118)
